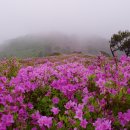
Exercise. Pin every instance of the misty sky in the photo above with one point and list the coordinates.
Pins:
(83, 17)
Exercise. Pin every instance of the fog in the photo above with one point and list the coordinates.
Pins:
(75, 17)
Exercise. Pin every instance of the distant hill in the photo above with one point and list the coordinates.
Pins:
(44, 45)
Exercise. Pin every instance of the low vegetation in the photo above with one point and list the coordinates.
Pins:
(65, 92)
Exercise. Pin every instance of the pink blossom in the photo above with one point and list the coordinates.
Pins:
(45, 121)
(60, 124)
(55, 110)
(7, 119)
(124, 118)
(79, 114)
(102, 124)
(128, 90)
(70, 104)
(83, 123)
(55, 100)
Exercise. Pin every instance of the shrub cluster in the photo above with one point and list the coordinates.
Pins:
(67, 96)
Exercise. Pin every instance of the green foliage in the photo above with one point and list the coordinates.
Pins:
(13, 68)
(44, 106)
(10, 67)
(39, 100)
(120, 101)
(63, 118)
(91, 84)
(78, 96)
(44, 103)
(121, 41)
(1, 108)
(90, 127)
(87, 115)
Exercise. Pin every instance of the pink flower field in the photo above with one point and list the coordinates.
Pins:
(65, 93)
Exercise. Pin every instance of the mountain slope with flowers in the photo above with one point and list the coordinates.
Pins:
(68, 92)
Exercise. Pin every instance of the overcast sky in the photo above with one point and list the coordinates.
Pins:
(96, 17)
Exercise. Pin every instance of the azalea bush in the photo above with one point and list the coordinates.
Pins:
(70, 94)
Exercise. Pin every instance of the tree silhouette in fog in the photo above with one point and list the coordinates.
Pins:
(120, 42)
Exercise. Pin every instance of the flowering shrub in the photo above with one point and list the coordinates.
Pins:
(73, 94)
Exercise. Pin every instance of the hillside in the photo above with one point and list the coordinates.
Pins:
(74, 92)
(44, 45)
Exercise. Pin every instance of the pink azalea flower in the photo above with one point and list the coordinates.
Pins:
(79, 114)
(55, 110)
(128, 90)
(60, 124)
(102, 124)
(7, 119)
(55, 100)
(124, 118)
(45, 121)
(83, 123)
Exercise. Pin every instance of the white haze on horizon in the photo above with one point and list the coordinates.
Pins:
(73, 17)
